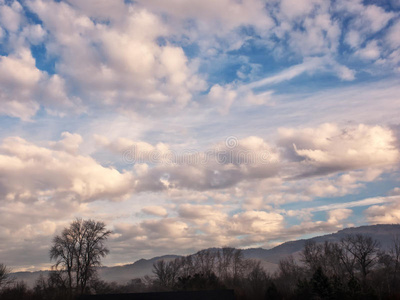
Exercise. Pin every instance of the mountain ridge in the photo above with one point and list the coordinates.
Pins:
(269, 258)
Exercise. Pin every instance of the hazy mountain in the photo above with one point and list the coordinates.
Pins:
(120, 274)
(382, 233)
(140, 268)
(269, 258)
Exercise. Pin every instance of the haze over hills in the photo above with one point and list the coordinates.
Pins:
(269, 258)
(382, 233)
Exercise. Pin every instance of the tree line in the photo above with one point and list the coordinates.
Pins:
(356, 267)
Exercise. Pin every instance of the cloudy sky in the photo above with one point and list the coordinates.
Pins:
(189, 124)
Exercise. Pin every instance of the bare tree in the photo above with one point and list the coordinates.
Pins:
(79, 250)
(228, 262)
(360, 252)
(257, 276)
(289, 274)
(224, 259)
(394, 252)
(326, 256)
(312, 255)
(332, 263)
(238, 264)
(204, 261)
(167, 273)
(5, 277)
(390, 264)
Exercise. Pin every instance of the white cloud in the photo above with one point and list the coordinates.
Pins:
(310, 65)
(24, 87)
(293, 9)
(353, 38)
(256, 222)
(137, 152)
(70, 143)
(201, 213)
(10, 16)
(377, 17)
(224, 15)
(384, 214)
(392, 35)
(312, 156)
(31, 172)
(329, 148)
(344, 72)
(101, 9)
(364, 22)
(219, 167)
(155, 211)
(222, 97)
(35, 34)
(18, 81)
(365, 18)
(337, 215)
(370, 51)
(124, 65)
(130, 57)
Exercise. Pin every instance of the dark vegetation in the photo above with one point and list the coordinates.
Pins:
(356, 267)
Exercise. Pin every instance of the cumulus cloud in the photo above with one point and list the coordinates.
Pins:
(11, 17)
(47, 173)
(337, 215)
(155, 211)
(199, 227)
(365, 18)
(222, 96)
(70, 143)
(31, 225)
(256, 222)
(309, 158)
(370, 51)
(328, 148)
(203, 226)
(18, 80)
(335, 220)
(124, 65)
(224, 15)
(130, 56)
(136, 151)
(219, 167)
(24, 87)
(203, 214)
(348, 183)
(384, 214)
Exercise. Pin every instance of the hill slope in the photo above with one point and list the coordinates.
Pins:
(382, 233)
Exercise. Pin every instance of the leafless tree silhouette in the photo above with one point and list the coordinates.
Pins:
(5, 277)
(78, 251)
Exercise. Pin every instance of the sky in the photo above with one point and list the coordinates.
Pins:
(185, 125)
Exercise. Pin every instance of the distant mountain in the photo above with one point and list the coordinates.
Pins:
(29, 277)
(382, 233)
(269, 258)
(140, 268)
